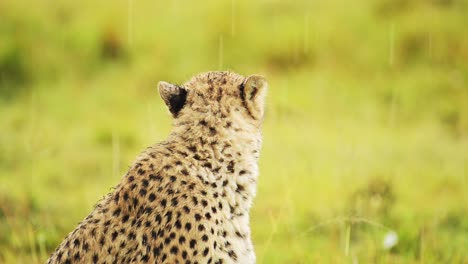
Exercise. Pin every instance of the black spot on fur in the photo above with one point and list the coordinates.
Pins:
(203, 123)
(230, 166)
(174, 201)
(193, 242)
(198, 217)
(232, 254)
(114, 235)
(158, 219)
(177, 224)
(116, 212)
(155, 177)
(192, 148)
(125, 218)
(212, 131)
(195, 200)
(156, 251)
(145, 183)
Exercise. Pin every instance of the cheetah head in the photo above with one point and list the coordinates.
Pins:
(217, 99)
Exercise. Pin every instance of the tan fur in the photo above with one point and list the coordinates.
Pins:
(187, 199)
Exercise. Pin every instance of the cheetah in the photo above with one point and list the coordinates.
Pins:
(187, 199)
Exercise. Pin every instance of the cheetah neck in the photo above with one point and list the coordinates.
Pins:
(227, 160)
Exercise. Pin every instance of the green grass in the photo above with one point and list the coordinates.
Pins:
(366, 128)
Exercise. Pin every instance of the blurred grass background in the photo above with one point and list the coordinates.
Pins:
(366, 129)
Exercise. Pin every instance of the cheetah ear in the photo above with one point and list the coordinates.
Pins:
(174, 96)
(253, 93)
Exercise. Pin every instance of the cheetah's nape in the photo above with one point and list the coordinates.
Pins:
(187, 199)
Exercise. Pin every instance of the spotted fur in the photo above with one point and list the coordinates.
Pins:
(187, 199)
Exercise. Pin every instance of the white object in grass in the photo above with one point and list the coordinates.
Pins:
(390, 240)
